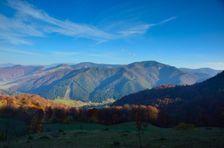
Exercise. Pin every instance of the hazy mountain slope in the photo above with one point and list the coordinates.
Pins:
(93, 82)
(79, 82)
(40, 80)
(6, 92)
(14, 72)
(6, 65)
(97, 83)
(201, 73)
(10, 72)
(89, 65)
(139, 76)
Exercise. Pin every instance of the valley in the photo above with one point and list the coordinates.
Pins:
(111, 74)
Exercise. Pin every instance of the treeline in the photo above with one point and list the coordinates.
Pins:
(36, 117)
(36, 111)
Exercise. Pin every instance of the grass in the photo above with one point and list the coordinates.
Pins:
(1, 104)
(76, 103)
(84, 135)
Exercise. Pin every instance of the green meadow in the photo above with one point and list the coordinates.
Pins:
(125, 135)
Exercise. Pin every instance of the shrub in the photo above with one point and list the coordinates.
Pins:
(184, 126)
(3, 136)
(45, 137)
(116, 143)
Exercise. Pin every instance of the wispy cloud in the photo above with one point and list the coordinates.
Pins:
(136, 30)
(167, 20)
(14, 30)
(65, 27)
(54, 54)
(131, 29)
(19, 51)
(64, 53)
(29, 21)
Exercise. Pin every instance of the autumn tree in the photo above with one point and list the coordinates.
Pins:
(36, 123)
(140, 122)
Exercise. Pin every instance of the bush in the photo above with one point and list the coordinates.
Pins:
(3, 136)
(184, 126)
(29, 139)
(116, 143)
(106, 129)
(45, 137)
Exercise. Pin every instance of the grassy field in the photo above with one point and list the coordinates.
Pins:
(75, 103)
(84, 135)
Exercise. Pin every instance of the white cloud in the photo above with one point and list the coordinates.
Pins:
(128, 29)
(66, 27)
(14, 30)
(30, 21)
(167, 20)
(136, 30)
(13, 38)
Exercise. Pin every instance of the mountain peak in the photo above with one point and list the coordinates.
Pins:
(146, 62)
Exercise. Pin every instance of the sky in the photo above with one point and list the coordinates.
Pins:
(182, 33)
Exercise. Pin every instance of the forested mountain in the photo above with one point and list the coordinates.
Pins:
(211, 87)
(202, 102)
(91, 81)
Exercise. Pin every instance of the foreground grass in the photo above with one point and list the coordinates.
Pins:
(85, 135)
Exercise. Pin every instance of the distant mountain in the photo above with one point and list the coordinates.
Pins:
(202, 102)
(6, 93)
(90, 81)
(6, 65)
(90, 64)
(17, 71)
(201, 73)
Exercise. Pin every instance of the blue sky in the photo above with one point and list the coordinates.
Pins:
(183, 33)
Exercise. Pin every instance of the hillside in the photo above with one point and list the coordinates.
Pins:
(199, 103)
(28, 101)
(210, 87)
(93, 82)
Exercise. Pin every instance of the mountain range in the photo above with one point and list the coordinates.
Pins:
(96, 82)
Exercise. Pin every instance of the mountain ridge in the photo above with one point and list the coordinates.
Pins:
(95, 82)
(212, 86)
